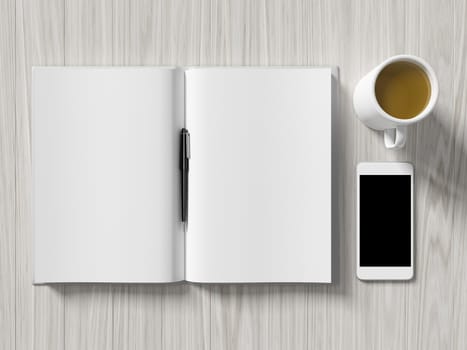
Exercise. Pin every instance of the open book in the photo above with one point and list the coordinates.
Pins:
(106, 174)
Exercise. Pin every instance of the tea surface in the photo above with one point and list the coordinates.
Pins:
(403, 90)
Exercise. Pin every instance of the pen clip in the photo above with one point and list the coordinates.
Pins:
(187, 145)
(184, 148)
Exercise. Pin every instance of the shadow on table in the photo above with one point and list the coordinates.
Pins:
(441, 159)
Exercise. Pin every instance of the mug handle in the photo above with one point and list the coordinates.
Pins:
(395, 138)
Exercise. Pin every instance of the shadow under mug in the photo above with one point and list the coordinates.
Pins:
(372, 115)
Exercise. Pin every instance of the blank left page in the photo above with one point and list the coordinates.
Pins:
(105, 174)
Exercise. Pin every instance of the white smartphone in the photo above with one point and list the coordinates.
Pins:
(385, 237)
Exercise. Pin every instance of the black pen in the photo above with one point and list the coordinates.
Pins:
(184, 167)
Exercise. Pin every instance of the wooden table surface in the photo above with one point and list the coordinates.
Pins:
(429, 312)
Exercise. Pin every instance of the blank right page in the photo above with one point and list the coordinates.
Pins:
(260, 175)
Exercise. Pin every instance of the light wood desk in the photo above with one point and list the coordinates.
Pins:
(427, 313)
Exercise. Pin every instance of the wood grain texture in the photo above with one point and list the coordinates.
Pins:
(427, 313)
(186, 310)
(39, 41)
(88, 317)
(137, 317)
(7, 176)
(438, 298)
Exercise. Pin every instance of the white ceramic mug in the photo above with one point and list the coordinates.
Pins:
(372, 115)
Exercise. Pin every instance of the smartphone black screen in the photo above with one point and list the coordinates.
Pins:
(385, 220)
